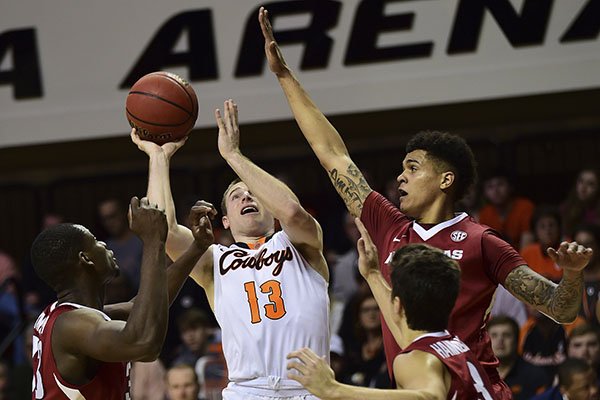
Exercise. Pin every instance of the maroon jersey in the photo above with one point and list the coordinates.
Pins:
(469, 380)
(485, 261)
(110, 383)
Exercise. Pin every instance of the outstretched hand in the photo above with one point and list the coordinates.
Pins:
(229, 130)
(571, 257)
(315, 375)
(200, 215)
(147, 220)
(368, 258)
(151, 148)
(274, 57)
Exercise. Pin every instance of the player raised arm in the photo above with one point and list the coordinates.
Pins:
(85, 332)
(159, 190)
(322, 137)
(303, 230)
(560, 302)
(368, 265)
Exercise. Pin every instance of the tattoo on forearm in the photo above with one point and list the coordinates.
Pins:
(560, 302)
(351, 185)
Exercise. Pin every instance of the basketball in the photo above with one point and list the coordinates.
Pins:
(162, 107)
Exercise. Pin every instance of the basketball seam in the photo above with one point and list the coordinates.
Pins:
(186, 92)
(153, 123)
(163, 99)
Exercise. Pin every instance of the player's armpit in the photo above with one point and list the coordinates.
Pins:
(350, 184)
(560, 302)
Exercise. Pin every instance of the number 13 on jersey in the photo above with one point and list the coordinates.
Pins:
(274, 310)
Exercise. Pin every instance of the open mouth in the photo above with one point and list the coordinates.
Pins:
(249, 210)
(402, 192)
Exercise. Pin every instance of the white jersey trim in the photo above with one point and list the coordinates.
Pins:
(56, 305)
(431, 334)
(427, 234)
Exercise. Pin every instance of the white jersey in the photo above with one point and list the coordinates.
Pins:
(268, 301)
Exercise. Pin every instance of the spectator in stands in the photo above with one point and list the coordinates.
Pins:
(182, 383)
(365, 360)
(11, 308)
(576, 381)
(590, 237)
(547, 232)
(126, 246)
(524, 379)
(37, 293)
(507, 305)
(543, 342)
(344, 275)
(195, 331)
(583, 202)
(391, 191)
(505, 212)
(21, 374)
(584, 343)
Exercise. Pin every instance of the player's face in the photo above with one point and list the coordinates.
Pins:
(586, 186)
(504, 343)
(583, 387)
(181, 385)
(102, 258)
(245, 214)
(547, 231)
(585, 347)
(419, 184)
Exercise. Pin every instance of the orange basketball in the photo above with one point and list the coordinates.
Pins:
(162, 107)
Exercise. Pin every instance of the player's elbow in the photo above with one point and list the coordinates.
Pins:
(294, 214)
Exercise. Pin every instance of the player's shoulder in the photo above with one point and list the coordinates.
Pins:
(417, 361)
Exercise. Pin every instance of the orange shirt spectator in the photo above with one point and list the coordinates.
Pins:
(514, 223)
(540, 262)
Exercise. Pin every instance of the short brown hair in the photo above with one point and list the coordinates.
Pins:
(223, 200)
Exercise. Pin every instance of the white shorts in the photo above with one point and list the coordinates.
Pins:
(238, 392)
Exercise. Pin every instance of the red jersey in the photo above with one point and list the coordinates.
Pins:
(469, 380)
(110, 383)
(485, 261)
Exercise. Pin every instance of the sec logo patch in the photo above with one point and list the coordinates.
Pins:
(458, 236)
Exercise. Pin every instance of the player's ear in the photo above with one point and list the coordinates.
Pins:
(225, 221)
(447, 179)
(83, 258)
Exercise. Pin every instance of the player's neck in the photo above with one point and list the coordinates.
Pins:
(84, 296)
(439, 211)
(408, 335)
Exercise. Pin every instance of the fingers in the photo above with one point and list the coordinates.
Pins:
(219, 119)
(360, 245)
(265, 24)
(203, 211)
